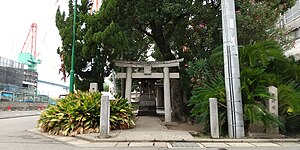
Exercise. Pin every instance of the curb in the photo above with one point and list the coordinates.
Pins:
(194, 140)
(93, 139)
(246, 140)
(9, 117)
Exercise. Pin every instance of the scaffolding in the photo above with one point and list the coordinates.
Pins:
(16, 83)
(11, 73)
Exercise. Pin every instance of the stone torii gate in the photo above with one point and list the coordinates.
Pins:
(147, 73)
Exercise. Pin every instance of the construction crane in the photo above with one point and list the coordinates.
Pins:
(30, 58)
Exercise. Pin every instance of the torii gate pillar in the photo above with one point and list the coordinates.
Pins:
(148, 74)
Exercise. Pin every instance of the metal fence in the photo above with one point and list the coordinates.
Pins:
(293, 13)
(4, 62)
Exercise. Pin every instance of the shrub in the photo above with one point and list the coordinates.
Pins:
(262, 65)
(80, 113)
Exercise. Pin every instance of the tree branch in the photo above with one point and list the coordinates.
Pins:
(145, 32)
(175, 22)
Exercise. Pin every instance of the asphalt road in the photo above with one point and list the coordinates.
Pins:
(13, 136)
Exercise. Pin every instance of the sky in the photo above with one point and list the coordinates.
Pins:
(16, 19)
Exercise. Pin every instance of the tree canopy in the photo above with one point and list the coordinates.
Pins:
(127, 29)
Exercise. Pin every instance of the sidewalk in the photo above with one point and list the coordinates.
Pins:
(149, 132)
(15, 114)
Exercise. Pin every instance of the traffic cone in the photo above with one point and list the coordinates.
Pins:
(8, 108)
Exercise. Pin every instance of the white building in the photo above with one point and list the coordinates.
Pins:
(290, 21)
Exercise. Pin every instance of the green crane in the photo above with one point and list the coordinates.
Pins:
(30, 58)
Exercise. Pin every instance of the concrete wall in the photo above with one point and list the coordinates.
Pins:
(22, 106)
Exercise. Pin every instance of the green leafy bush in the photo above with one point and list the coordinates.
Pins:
(262, 65)
(200, 104)
(80, 113)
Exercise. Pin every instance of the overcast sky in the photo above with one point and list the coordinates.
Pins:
(16, 19)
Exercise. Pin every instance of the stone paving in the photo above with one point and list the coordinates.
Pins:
(84, 143)
(149, 132)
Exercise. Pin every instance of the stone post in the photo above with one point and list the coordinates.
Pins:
(167, 99)
(128, 84)
(93, 87)
(272, 106)
(159, 97)
(104, 117)
(214, 119)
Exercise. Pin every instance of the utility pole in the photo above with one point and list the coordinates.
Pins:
(232, 71)
(73, 50)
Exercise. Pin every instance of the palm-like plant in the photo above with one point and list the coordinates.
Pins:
(262, 64)
(200, 104)
(80, 113)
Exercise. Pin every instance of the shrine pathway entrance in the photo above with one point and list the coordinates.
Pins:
(149, 73)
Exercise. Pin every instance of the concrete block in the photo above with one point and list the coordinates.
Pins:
(160, 144)
(93, 87)
(265, 144)
(65, 138)
(288, 144)
(240, 144)
(200, 145)
(215, 144)
(122, 144)
(214, 119)
(141, 144)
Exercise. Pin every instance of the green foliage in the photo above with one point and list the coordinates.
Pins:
(262, 65)
(200, 104)
(80, 113)
(289, 99)
(186, 29)
(106, 87)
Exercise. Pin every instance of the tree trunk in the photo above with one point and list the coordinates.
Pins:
(161, 42)
(178, 106)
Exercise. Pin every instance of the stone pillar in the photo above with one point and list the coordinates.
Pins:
(214, 119)
(159, 96)
(128, 84)
(272, 106)
(167, 99)
(104, 116)
(93, 87)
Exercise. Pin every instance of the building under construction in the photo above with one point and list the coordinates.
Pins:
(17, 83)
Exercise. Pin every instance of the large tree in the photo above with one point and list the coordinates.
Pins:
(191, 29)
(178, 28)
(99, 40)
